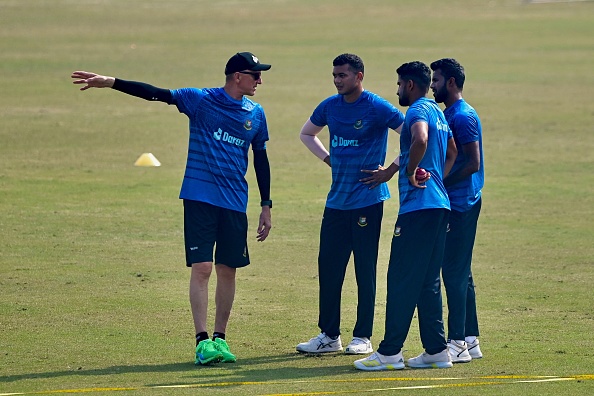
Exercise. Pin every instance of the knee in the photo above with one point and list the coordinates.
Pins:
(225, 273)
(201, 271)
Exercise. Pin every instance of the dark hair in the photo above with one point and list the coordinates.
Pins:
(450, 68)
(355, 63)
(416, 71)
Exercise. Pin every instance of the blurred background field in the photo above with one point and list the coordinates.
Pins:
(92, 274)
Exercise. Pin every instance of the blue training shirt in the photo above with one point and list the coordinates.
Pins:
(435, 195)
(466, 128)
(221, 131)
(358, 140)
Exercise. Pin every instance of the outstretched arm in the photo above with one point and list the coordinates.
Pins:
(134, 88)
(92, 80)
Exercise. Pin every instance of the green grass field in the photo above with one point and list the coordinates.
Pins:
(92, 274)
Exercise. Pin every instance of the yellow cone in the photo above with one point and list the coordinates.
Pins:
(147, 159)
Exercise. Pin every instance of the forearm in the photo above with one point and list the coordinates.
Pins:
(314, 145)
(466, 171)
(262, 170)
(308, 136)
(416, 154)
(143, 90)
(393, 168)
(472, 163)
(396, 162)
(418, 147)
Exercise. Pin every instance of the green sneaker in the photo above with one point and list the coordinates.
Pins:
(207, 352)
(222, 346)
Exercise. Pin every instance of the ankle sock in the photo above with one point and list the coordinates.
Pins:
(216, 334)
(201, 337)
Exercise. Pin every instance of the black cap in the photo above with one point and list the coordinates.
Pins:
(244, 61)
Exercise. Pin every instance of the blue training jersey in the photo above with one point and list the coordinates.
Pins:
(221, 131)
(358, 140)
(466, 128)
(435, 195)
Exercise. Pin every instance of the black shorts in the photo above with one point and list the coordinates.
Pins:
(206, 225)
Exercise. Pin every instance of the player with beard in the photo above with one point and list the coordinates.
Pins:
(420, 231)
(464, 186)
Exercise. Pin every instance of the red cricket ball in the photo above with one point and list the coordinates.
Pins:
(421, 174)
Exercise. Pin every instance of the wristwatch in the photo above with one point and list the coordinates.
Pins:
(266, 203)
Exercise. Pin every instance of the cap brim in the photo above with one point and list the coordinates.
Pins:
(261, 67)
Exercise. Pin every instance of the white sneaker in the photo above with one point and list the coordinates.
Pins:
(320, 344)
(359, 346)
(379, 362)
(458, 351)
(474, 350)
(424, 360)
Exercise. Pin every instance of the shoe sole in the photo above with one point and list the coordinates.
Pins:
(382, 367)
(437, 365)
(350, 352)
(214, 359)
(458, 360)
(318, 352)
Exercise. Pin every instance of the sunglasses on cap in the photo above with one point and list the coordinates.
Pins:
(255, 75)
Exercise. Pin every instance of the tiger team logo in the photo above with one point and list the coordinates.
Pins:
(362, 221)
(358, 124)
(247, 125)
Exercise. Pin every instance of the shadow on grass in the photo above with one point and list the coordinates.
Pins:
(258, 369)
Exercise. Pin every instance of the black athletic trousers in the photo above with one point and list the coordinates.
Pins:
(344, 232)
(457, 273)
(414, 280)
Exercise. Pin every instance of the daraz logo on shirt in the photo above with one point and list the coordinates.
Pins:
(342, 142)
(226, 137)
(442, 126)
